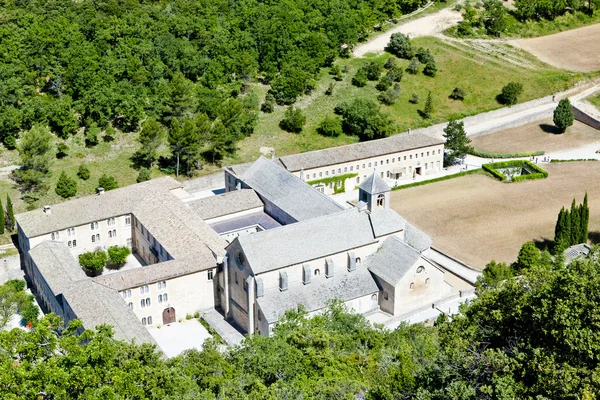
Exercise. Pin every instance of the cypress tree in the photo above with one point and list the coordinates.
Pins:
(575, 224)
(559, 228)
(1, 218)
(10, 215)
(567, 229)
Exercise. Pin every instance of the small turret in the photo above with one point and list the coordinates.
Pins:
(374, 192)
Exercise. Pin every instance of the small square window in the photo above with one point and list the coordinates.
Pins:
(210, 275)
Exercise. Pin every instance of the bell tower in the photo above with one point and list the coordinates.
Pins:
(374, 192)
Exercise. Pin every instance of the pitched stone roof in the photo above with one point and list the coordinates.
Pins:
(95, 305)
(343, 285)
(226, 203)
(87, 209)
(357, 151)
(245, 221)
(56, 264)
(392, 260)
(287, 192)
(374, 184)
(316, 238)
(416, 238)
(385, 221)
(152, 273)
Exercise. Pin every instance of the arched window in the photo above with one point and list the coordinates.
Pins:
(420, 269)
(109, 234)
(93, 238)
(124, 294)
(70, 244)
(374, 297)
(114, 233)
(358, 260)
(412, 285)
(74, 243)
(148, 302)
(144, 321)
(317, 272)
(427, 281)
(128, 292)
(130, 305)
(52, 235)
(165, 297)
(381, 200)
(160, 298)
(164, 284)
(149, 320)
(142, 303)
(141, 290)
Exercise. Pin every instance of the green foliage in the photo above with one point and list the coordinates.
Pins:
(10, 142)
(83, 172)
(495, 273)
(329, 90)
(144, 175)
(93, 260)
(151, 138)
(2, 219)
(510, 93)
(341, 188)
(400, 46)
(457, 140)
(9, 221)
(107, 182)
(424, 56)
(390, 96)
(373, 70)
(547, 9)
(364, 119)
(12, 299)
(384, 83)
(293, 120)
(429, 108)
(118, 254)
(66, 187)
(441, 178)
(360, 79)
(563, 115)
(390, 62)
(91, 135)
(269, 104)
(572, 225)
(35, 151)
(395, 73)
(414, 99)
(535, 172)
(494, 17)
(62, 150)
(414, 67)
(484, 154)
(331, 126)
(430, 69)
(573, 160)
(529, 256)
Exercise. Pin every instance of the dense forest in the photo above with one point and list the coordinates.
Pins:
(111, 64)
(533, 336)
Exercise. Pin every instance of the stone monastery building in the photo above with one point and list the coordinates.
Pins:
(271, 242)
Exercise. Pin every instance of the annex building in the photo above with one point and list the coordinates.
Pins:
(270, 243)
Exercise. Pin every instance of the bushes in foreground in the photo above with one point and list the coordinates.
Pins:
(492, 168)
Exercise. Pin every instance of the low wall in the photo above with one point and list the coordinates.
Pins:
(585, 118)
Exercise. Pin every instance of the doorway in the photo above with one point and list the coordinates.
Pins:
(168, 315)
(417, 171)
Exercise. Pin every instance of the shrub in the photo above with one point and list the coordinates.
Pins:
(400, 46)
(109, 134)
(510, 93)
(329, 90)
(269, 105)
(118, 254)
(293, 120)
(29, 312)
(107, 182)
(384, 83)
(390, 96)
(91, 135)
(363, 118)
(430, 69)
(360, 79)
(373, 70)
(484, 154)
(390, 62)
(395, 73)
(413, 67)
(144, 175)
(10, 142)
(18, 285)
(563, 115)
(428, 110)
(93, 260)
(330, 126)
(83, 172)
(458, 94)
(424, 56)
(537, 174)
(61, 150)
(66, 187)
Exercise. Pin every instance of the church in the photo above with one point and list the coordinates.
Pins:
(270, 243)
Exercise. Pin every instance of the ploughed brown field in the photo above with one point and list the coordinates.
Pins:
(478, 219)
(537, 136)
(574, 50)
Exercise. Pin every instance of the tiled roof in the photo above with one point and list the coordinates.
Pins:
(288, 192)
(392, 260)
(374, 184)
(226, 203)
(56, 264)
(416, 238)
(357, 151)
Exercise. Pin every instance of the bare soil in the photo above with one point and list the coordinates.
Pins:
(574, 50)
(478, 219)
(537, 136)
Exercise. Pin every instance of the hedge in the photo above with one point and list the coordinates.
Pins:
(334, 179)
(483, 154)
(574, 160)
(442, 178)
(492, 169)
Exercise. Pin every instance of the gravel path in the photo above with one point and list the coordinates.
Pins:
(429, 25)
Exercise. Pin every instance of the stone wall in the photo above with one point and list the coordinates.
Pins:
(586, 118)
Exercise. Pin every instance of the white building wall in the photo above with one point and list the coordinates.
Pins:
(186, 294)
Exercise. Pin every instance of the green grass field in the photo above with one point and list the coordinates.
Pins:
(481, 77)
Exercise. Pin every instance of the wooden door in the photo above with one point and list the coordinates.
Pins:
(168, 315)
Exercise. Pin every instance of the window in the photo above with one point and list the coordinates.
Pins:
(92, 226)
(346, 169)
(160, 299)
(317, 272)
(129, 242)
(326, 173)
(93, 238)
(164, 284)
(141, 290)
(136, 223)
(374, 297)
(420, 269)
(427, 281)
(109, 234)
(148, 302)
(381, 200)
(333, 172)
(97, 237)
(387, 161)
(358, 260)
(259, 315)
(127, 220)
(159, 285)
(339, 184)
(358, 179)
(375, 163)
(210, 275)
(128, 292)
(165, 297)
(404, 158)
(149, 320)
(352, 168)
(74, 243)
(393, 160)
(412, 285)
(363, 165)
(142, 303)
(130, 305)
(245, 286)
(416, 155)
(144, 321)
(70, 244)
(124, 294)
(369, 165)
(71, 232)
(320, 174)
(427, 154)
(422, 155)
(114, 233)
(409, 157)
(55, 235)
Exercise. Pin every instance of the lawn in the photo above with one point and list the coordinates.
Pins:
(481, 77)
(478, 219)
(536, 136)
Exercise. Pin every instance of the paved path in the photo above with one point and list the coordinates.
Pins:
(223, 328)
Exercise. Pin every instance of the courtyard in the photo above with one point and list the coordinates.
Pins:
(177, 337)
(478, 219)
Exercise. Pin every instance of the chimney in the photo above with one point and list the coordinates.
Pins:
(260, 287)
(306, 274)
(351, 261)
(283, 281)
(100, 190)
(328, 268)
(47, 210)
